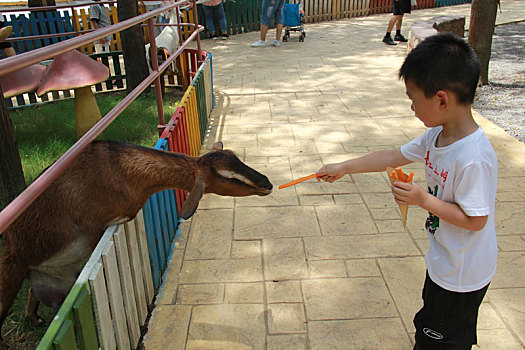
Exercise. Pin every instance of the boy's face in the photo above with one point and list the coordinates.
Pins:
(426, 109)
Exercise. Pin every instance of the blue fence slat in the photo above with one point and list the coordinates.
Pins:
(33, 22)
(152, 245)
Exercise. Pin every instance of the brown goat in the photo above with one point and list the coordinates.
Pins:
(108, 183)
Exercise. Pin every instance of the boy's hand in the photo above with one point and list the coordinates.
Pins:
(408, 193)
(331, 172)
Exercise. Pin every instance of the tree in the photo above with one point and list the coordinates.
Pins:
(11, 174)
(132, 45)
(481, 29)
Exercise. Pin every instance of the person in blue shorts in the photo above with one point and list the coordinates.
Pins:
(271, 9)
(399, 9)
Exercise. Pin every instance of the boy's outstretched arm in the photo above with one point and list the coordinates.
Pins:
(372, 162)
(412, 194)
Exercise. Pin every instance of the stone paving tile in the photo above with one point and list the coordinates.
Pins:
(362, 268)
(286, 341)
(510, 304)
(244, 293)
(227, 326)
(377, 333)
(343, 298)
(404, 278)
(168, 334)
(509, 218)
(213, 271)
(246, 249)
(210, 235)
(345, 220)
(257, 223)
(510, 272)
(284, 292)
(200, 294)
(286, 318)
(326, 268)
(363, 246)
(284, 258)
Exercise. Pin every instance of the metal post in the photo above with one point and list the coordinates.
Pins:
(155, 66)
(196, 22)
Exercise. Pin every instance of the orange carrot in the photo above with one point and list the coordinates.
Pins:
(410, 176)
(295, 182)
(393, 175)
(401, 175)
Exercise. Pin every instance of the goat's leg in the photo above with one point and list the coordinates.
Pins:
(32, 308)
(11, 277)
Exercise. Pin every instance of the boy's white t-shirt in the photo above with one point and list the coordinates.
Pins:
(464, 173)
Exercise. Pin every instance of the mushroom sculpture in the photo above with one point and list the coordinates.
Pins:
(22, 80)
(74, 70)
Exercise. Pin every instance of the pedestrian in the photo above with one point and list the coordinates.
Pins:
(99, 19)
(399, 9)
(214, 9)
(271, 9)
(461, 171)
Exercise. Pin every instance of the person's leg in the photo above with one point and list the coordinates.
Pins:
(222, 18)
(264, 31)
(278, 31)
(387, 39)
(208, 16)
(399, 36)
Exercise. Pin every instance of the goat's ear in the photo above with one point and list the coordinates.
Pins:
(217, 146)
(192, 202)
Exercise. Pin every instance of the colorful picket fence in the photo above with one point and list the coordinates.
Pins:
(107, 306)
(55, 26)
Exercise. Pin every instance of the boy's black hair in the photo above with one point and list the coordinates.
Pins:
(443, 62)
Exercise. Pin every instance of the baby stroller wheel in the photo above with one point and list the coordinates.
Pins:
(285, 38)
(301, 37)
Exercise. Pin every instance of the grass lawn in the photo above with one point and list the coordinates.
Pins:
(43, 134)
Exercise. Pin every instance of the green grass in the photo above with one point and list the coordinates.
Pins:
(43, 133)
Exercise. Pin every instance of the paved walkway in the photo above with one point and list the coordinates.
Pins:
(323, 266)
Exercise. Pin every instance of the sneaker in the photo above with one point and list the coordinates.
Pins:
(276, 43)
(225, 36)
(259, 43)
(388, 40)
(400, 37)
(213, 36)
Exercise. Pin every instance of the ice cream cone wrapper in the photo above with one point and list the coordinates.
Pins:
(403, 208)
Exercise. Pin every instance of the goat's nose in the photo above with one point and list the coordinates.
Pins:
(268, 187)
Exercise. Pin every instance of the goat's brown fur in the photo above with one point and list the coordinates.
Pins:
(108, 183)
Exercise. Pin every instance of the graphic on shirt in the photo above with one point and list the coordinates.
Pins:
(432, 223)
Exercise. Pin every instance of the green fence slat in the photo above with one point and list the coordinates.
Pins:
(84, 321)
(65, 339)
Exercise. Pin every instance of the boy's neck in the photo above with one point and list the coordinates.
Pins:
(459, 125)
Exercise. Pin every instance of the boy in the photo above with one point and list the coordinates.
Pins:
(441, 75)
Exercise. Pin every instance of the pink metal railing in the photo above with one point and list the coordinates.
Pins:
(20, 203)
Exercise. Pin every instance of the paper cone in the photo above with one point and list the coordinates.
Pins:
(403, 208)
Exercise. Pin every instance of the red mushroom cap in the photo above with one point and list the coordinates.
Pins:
(72, 70)
(22, 80)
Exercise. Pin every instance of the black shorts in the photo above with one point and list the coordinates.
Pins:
(401, 7)
(447, 319)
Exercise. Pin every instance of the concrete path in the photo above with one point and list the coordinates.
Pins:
(323, 266)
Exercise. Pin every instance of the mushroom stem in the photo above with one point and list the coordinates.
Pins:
(86, 110)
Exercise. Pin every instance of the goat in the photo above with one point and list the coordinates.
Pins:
(108, 183)
(167, 41)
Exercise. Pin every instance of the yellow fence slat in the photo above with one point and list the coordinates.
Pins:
(104, 327)
(115, 296)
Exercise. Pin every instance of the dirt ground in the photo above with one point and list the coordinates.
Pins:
(503, 102)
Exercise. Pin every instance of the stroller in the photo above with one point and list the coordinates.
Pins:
(293, 18)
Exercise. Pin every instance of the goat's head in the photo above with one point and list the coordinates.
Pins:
(221, 172)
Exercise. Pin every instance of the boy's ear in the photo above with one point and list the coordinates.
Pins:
(444, 98)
